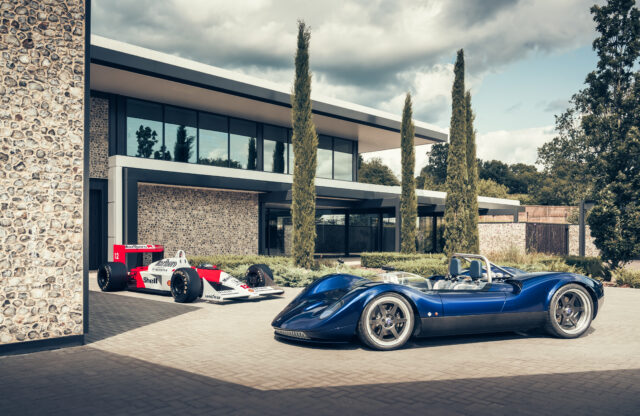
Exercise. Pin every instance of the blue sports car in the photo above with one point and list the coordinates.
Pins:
(482, 297)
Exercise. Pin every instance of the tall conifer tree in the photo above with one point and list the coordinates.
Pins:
(456, 215)
(473, 245)
(305, 145)
(408, 201)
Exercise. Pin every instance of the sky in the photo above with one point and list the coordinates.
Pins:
(524, 59)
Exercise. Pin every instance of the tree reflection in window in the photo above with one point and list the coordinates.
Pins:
(147, 138)
(183, 149)
(278, 158)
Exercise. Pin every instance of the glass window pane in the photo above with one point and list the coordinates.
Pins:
(330, 232)
(343, 159)
(214, 140)
(274, 147)
(363, 232)
(180, 135)
(290, 153)
(325, 157)
(243, 144)
(144, 128)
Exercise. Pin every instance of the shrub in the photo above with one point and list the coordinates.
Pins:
(379, 259)
(591, 266)
(424, 267)
(626, 277)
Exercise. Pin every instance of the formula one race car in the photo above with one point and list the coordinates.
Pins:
(176, 276)
(482, 297)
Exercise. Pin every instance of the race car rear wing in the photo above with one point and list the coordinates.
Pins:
(132, 255)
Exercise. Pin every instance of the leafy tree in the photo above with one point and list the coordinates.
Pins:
(606, 140)
(162, 154)
(375, 171)
(253, 154)
(182, 150)
(487, 187)
(278, 158)
(436, 167)
(473, 244)
(456, 215)
(146, 138)
(495, 170)
(408, 199)
(305, 147)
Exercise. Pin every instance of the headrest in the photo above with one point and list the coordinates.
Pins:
(454, 267)
(475, 269)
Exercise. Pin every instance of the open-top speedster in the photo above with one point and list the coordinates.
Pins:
(482, 297)
(176, 276)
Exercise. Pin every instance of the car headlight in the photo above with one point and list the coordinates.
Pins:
(331, 309)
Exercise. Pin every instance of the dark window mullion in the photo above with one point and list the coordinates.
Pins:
(197, 137)
(333, 159)
(228, 142)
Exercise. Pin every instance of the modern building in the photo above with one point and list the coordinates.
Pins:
(104, 142)
(199, 158)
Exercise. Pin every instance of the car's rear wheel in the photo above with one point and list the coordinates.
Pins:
(258, 275)
(186, 285)
(112, 277)
(386, 323)
(570, 312)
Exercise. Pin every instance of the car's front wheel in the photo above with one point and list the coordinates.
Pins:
(570, 312)
(386, 323)
(258, 275)
(186, 285)
(112, 276)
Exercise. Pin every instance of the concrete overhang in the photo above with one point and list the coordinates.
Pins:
(120, 68)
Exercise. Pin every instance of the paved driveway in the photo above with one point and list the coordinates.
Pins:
(147, 354)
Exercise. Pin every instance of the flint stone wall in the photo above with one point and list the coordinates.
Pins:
(41, 169)
(500, 237)
(198, 221)
(590, 249)
(99, 138)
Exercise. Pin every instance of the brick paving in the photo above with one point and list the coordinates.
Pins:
(208, 358)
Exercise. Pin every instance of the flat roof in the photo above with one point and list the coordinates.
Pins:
(126, 69)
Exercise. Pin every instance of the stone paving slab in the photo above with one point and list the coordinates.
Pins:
(142, 345)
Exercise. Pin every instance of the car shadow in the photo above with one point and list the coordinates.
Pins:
(111, 314)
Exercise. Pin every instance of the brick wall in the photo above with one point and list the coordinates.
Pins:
(199, 221)
(499, 237)
(99, 138)
(41, 169)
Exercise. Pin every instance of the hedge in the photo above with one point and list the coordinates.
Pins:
(423, 267)
(284, 272)
(379, 259)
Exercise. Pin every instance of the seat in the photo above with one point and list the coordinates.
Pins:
(455, 267)
(475, 269)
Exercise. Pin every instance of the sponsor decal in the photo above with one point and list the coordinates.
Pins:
(166, 263)
(151, 280)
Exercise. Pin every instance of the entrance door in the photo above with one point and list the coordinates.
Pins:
(97, 222)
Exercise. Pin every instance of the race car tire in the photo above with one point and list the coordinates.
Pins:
(186, 285)
(570, 312)
(386, 323)
(258, 275)
(112, 277)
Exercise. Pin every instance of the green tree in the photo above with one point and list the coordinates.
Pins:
(473, 244)
(607, 115)
(436, 166)
(456, 215)
(487, 187)
(375, 171)
(182, 150)
(146, 138)
(278, 157)
(408, 199)
(305, 148)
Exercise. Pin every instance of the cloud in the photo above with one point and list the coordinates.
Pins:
(556, 106)
(366, 51)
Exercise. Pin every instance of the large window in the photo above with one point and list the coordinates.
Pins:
(160, 131)
(274, 147)
(243, 147)
(180, 135)
(214, 140)
(144, 128)
(342, 159)
(325, 157)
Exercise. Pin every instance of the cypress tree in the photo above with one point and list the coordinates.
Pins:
(472, 177)
(408, 201)
(456, 216)
(305, 145)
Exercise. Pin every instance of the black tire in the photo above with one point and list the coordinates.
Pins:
(112, 277)
(386, 323)
(570, 312)
(258, 275)
(186, 285)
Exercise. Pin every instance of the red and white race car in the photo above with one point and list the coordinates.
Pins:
(176, 276)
